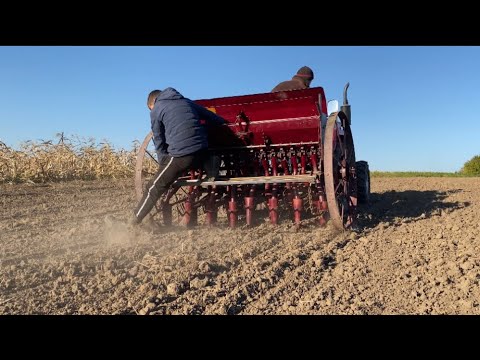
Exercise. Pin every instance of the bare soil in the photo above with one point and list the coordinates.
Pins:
(417, 253)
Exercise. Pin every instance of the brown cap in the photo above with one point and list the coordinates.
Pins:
(305, 72)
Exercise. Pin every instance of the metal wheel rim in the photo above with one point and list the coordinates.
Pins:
(341, 193)
(139, 176)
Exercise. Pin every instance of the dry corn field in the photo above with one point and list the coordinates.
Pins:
(418, 251)
(68, 159)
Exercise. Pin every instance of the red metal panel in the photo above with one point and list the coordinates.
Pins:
(284, 117)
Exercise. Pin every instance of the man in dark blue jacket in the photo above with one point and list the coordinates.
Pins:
(180, 142)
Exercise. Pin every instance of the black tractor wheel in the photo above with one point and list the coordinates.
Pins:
(363, 182)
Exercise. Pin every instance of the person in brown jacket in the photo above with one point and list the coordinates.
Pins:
(301, 80)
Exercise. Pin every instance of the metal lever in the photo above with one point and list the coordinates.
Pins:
(346, 107)
(345, 99)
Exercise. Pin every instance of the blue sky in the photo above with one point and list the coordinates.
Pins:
(413, 108)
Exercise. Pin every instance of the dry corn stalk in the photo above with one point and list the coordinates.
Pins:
(69, 159)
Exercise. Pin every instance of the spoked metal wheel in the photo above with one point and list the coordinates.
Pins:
(170, 208)
(146, 165)
(340, 176)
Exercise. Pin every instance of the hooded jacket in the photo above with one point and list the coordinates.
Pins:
(300, 80)
(176, 124)
(295, 84)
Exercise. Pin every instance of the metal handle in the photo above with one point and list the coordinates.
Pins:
(345, 99)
